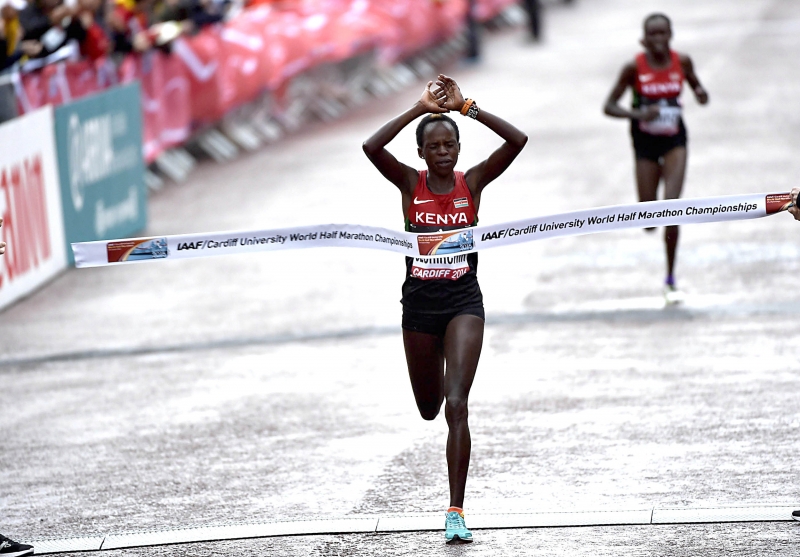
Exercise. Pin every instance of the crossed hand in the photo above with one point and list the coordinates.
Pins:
(444, 96)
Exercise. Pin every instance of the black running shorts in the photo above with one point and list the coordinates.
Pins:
(654, 147)
(436, 323)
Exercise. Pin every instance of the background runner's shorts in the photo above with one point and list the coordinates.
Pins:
(436, 323)
(653, 147)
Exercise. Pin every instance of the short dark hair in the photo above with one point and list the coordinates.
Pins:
(655, 16)
(433, 118)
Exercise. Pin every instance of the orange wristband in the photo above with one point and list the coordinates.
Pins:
(465, 106)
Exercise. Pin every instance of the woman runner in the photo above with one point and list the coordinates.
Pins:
(443, 313)
(659, 136)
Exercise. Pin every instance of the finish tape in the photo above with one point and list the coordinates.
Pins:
(431, 245)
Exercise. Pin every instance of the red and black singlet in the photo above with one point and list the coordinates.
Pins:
(450, 282)
(661, 87)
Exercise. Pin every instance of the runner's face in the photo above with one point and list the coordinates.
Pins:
(657, 34)
(439, 148)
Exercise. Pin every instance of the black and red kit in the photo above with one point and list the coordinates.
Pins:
(449, 283)
(661, 87)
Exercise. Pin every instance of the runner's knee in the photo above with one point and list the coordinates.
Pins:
(455, 407)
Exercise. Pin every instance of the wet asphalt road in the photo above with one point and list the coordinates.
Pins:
(273, 387)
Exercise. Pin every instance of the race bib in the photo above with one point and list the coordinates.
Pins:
(668, 121)
(440, 268)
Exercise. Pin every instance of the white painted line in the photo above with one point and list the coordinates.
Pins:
(544, 519)
(553, 519)
(723, 514)
(421, 522)
(241, 531)
(412, 523)
(66, 545)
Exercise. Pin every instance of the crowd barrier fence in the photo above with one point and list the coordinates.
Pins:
(264, 48)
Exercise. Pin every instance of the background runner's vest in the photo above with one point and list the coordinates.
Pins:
(661, 87)
(449, 282)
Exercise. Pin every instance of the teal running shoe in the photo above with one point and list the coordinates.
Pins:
(455, 530)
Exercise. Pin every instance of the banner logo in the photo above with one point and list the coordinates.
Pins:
(442, 244)
(137, 250)
(777, 202)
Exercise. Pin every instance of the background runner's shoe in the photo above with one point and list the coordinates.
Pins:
(455, 529)
(10, 548)
(796, 515)
(672, 295)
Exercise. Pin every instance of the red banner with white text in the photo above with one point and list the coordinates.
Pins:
(228, 65)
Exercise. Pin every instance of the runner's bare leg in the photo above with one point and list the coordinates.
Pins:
(462, 347)
(426, 355)
(648, 173)
(674, 171)
(425, 359)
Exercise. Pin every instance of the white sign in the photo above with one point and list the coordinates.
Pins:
(30, 205)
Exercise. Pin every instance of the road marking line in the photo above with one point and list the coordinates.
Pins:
(421, 522)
